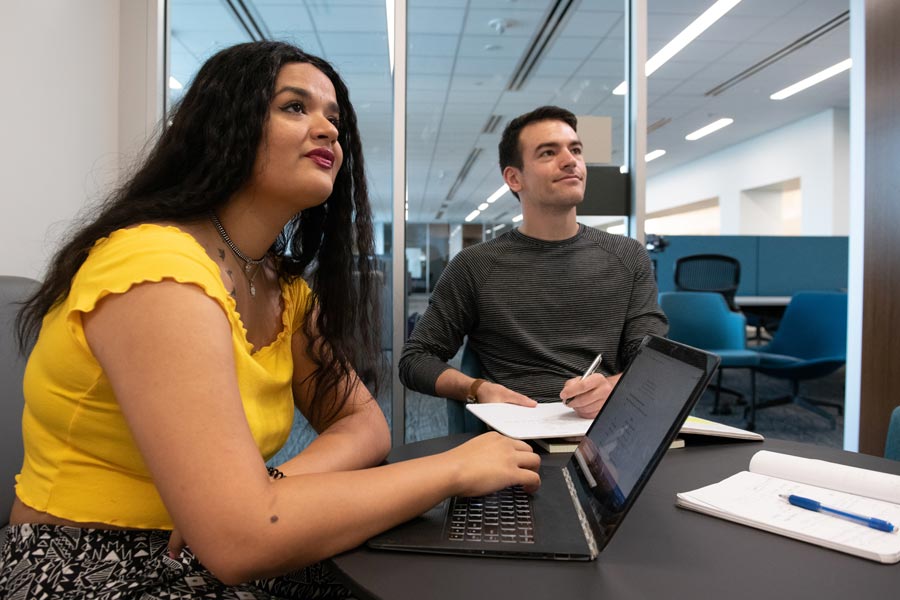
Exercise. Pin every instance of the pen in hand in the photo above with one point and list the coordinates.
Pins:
(590, 371)
(814, 505)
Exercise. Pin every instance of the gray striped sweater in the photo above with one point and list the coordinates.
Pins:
(536, 313)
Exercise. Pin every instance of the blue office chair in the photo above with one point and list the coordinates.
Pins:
(810, 342)
(892, 444)
(459, 420)
(704, 320)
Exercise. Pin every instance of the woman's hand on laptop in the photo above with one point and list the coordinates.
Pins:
(494, 392)
(587, 396)
(491, 462)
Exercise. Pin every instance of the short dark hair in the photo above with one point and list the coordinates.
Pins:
(509, 149)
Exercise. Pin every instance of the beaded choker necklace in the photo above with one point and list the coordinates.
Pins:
(251, 265)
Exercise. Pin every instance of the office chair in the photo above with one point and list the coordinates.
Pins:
(703, 320)
(709, 273)
(892, 443)
(13, 290)
(810, 342)
(459, 420)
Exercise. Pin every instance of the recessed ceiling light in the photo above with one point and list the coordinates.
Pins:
(687, 35)
(812, 80)
(653, 155)
(496, 195)
(471, 216)
(704, 131)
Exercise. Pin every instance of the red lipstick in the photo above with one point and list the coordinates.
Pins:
(322, 157)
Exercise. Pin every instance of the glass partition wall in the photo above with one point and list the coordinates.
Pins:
(472, 67)
(469, 68)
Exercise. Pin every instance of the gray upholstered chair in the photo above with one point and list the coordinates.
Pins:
(12, 366)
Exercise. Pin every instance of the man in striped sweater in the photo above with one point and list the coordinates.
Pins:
(541, 301)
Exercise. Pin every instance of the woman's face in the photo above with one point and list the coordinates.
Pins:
(299, 156)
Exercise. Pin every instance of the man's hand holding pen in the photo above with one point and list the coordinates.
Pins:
(587, 394)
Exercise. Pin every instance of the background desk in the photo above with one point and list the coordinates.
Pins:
(660, 551)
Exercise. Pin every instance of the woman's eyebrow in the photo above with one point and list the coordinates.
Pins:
(303, 93)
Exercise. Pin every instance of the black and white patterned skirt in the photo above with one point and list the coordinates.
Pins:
(49, 561)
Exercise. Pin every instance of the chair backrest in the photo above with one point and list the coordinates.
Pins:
(709, 273)
(814, 325)
(12, 367)
(892, 443)
(459, 420)
(703, 320)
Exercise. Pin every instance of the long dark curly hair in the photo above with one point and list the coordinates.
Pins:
(200, 160)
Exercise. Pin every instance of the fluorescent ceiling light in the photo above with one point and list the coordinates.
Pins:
(517, 218)
(496, 195)
(499, 227)
(652, 155)
(704, 131)
(174, 84)
(389, 10)
(471, 216)
(687, 35)
(812, 80)
(483, 206)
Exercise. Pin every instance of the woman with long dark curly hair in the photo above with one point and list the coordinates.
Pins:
(226, 283)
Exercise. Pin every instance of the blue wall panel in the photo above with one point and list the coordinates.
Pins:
(794, 264)
(770, 265)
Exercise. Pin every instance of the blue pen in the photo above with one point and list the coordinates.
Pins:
(813, 505)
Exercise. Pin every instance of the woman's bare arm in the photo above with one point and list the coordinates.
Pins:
(166, 349)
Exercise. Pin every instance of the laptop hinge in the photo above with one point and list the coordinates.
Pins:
(582, 517)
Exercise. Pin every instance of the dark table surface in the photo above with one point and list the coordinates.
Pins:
(660, 551)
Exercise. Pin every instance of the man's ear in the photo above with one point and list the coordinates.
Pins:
(513, 178)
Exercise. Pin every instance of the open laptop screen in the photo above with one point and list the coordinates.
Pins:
(635, 427)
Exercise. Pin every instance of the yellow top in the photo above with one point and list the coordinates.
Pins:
(81, 462)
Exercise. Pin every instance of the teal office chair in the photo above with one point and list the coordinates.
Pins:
(810, 342)
(892, 444)
(704, 320)
(459, 420)
(12, 368)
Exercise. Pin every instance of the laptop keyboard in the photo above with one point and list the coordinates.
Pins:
(504, 516)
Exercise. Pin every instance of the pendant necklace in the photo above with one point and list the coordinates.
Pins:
(251, 265)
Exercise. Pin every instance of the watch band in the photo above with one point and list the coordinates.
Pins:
(472, 396)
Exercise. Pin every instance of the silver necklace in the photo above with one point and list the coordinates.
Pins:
(251, 265)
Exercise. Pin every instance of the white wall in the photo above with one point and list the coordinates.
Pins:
(66, 128)
(815, 150)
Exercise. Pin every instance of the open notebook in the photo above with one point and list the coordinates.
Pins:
(556, 420)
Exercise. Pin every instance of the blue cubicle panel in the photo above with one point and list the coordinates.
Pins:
(742, 247)
(770, 265)
(795, 264)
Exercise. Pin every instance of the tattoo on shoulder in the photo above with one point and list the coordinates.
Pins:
(221, 253)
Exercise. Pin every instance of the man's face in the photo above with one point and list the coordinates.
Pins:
(553, 171)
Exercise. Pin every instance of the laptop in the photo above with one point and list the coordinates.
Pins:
(579, 507)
